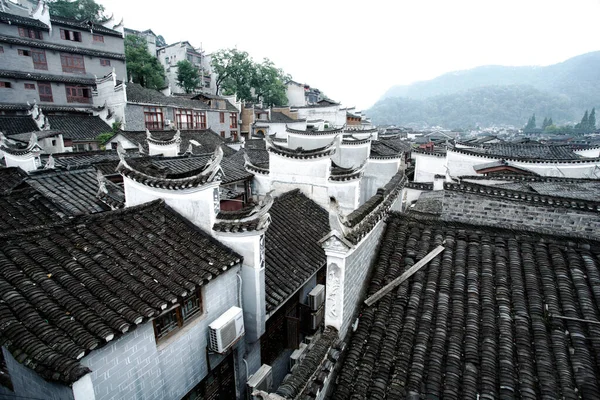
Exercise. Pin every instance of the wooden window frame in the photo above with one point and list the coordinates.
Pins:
(72, 36)
(24, 52)
(223, 134)
(1, 49)
(47, 95)
(72, 63)
(5, 84)
(97, 38)
(31, 33)
(233, 122)
(29, 86)
(151, 123)
(78, 94)
(200, 119)
(36, 56)
(222, 117)
(180, 319)
(184, 119)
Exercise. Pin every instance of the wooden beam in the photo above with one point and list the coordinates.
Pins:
(587, 321)
(407, 274)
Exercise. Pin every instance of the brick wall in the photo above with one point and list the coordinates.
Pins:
(136, 367)
(29, 385)
(477, 209)
(358, 265)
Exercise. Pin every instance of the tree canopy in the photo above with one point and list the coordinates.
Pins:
(531, 123)
(187, 76)
(588, 122)
(78, 9)
(250, 81)
(142, 67)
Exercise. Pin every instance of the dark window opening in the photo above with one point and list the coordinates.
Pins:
(30, 33)
(5, 85)
(70, 35)
(78, 94)
(23, 52)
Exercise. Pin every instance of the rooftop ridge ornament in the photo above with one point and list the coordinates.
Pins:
(50, 163)
(101, 184)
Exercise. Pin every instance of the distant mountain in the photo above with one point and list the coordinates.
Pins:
(496, 95)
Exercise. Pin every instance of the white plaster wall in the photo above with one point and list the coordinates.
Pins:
(347, 195)
(197, 204)
(171, 150)
(313, 171)
(309, 142)
(462, 164)
(591, 153)
(318, 193)
(114, 99)
(427, 166)
(295, 95)
(127, 144)
(261, 185)
(27, 162)
(332, 115)
(350, 156)
(377, 174)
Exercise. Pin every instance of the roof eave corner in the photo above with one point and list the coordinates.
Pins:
(334, 242)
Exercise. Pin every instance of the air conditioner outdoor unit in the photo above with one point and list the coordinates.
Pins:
(316, 297)
(226, 330)
(316, 318)
(297, 355)
(261, 380)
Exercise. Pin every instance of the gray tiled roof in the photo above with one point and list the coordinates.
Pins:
(20, 20)
(15, 124)
(207, 138)
(27, 208)
(72, 191)
(79, 127)
(85, 26)
(28, 76)
(481, 320)
(138, 94)
(529, 151)
(292, 250)
(72, 287)
(59, 47)
(584, 189)
(10, 178)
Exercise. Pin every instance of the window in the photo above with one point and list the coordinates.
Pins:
(39, 59)
(233, 119)
(1, 49)
(222, 134)
(153, 117)
(72, 63)
(234, 136)
(105, 62)
(5, 84)
(30, 33)
(178, 317)
(98, 38)
(184, 119)
(29, 86)
(23, 52)
(45, 91)
(222, 117)
(53, 142)
(70, 35)
(200, 119)
(78, 94)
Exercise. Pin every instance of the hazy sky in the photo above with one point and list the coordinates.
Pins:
(354, 51)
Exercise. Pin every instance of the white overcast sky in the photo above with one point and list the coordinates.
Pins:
(354, 51)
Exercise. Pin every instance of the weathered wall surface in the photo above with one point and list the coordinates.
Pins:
(136, 367)
(358, 265)
(27, 384)
(479, 209)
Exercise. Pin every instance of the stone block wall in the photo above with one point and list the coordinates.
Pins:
(484, 210)
(358, 265)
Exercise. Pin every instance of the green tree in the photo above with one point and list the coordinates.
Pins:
(584, 124)
(269, 84)
(160, 41)
(545, 123)
(531, 123)
(82, 10)
(142, 67)
(187, 76)
(238, 74)
(592, 120)
(234, 70)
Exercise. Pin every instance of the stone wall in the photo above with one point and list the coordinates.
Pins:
(521, 214)
(137, 367)
(358, 265)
